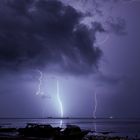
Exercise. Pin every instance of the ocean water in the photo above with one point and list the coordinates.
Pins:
(118, 127)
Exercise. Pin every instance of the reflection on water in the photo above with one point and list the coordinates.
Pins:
(95, 128)
(122, 127)
(61, 123)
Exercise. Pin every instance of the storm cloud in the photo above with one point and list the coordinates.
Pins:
(46, 35)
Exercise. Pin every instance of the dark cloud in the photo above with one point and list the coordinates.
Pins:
(46, 34)
(96, 10)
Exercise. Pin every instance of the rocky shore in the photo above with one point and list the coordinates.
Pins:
(47, 132)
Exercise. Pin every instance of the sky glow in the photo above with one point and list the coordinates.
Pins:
(85, 44)
(59, 100)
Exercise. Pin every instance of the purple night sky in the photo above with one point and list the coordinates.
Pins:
(88, 47)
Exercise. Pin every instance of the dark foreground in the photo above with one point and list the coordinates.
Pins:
(47, 132)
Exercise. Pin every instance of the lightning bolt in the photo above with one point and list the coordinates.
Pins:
(95, 105)
(59, 100)
(61, 123)
(40, 83)
(95, 110)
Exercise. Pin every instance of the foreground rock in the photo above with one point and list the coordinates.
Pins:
(36, 130)
(71, 132)
(47, 132)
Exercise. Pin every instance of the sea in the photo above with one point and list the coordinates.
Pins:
(115, 127)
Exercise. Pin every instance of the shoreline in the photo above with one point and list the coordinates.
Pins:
(46, 132)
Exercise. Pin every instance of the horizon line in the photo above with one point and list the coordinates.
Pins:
(69, 118)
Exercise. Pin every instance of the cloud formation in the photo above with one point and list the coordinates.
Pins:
(46, 34)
